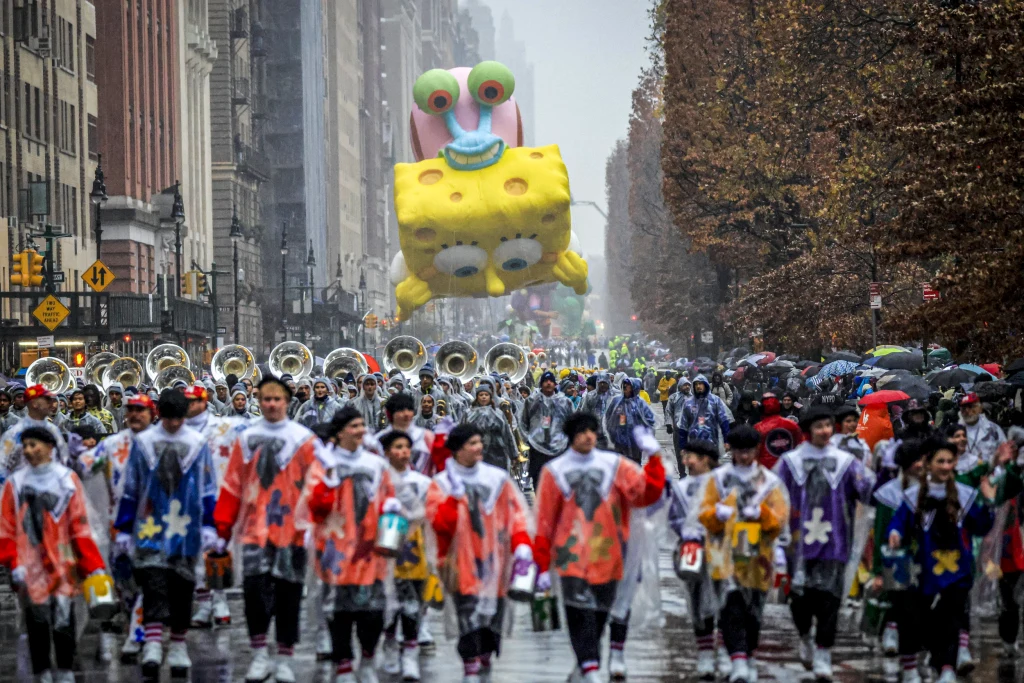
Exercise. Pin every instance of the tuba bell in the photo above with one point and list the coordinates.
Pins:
(171, 374)
(542, 358)
(125, 370)
(233, 359)
(97, 365)
(456, 358)
(52, 373)
(291, 358)
(507, 359)
(163, 356)
(341, 362)
(406, 354)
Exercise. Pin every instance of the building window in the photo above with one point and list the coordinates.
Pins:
(4, 92)
(90, 58)
(38, 112)
(94, 137)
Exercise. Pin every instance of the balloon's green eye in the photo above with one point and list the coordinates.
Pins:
(436, 92)
(491, 83)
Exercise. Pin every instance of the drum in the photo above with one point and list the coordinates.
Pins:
(99, 597)
(391, 530)
(220, 572)
(524, 576)
(689, 561)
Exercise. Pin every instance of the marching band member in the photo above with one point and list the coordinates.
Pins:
(96, 409)
(413, 567)
(368, 404)
(262, 485)
(824, 485)
(8, 418)
(39, 403)
(500, 447)
(319, 409)
(79, 413)
(846, 437)
(346, 491)
(164, 520)
(624, 413)
(110, 458)
(541, 423)
(482, 523)
(427, 387)
(456, 408)
(941, 515)
(596, 403)
(428, 416)
(46, 543)
(744, 502)
(115, 404)
(583, 503)
(400, 414)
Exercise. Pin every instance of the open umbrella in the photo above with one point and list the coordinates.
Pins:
(779, 363)
(971, 367)
(939, 354)
(842, 355)
(990, 390)
(883, 349)
(911, 385)
(1017, 379)
(1014, 367)
(789, 356)
(804, 364)
(991, 368)
(897, 361)
(883, 396)
(952, 377)
(763, 358)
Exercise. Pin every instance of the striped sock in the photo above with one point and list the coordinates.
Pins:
(203, 595)
(285, 650)
(965, 639)
(908, 662)
(344, 667)
(258, 642)
(154, 632)
(617, 646)
(590, 666)
(485, 661)
(410, 644)
(706, 642)
(368, 655)
(178, 636)
(471, 667)
(738, 655)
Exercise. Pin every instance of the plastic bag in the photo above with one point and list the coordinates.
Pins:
(639, 592)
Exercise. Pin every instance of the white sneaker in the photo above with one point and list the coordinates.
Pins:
(324, 646)
(411, 663)
(752, 668)
(617, 665)
(366, 673)
(965, 663)
(261, 668)
(591, 677)
(45, 677)
(724, 662)
(63, 676)
(221, 611)
(807, 652)
(947, 675)
(425, 638)
(1009, 650)
(284, 673)
(822, 664)
(740, 671)
(345, 678)
(706, 665)
(392, 656)
(912, 676)
(152, 658)
(130, 650)
(890, 640)
(891, 667)
(203, 616)
(469, 678)
(105, 651)
(178, 659)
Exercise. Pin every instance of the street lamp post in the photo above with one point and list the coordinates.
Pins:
(178, 216)
(362, 308)
(236, 235)
(310, 265)
(99, 197)
(284, 258)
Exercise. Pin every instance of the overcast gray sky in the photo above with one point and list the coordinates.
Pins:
(587, 57)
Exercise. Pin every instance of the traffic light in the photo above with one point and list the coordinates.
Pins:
(78, 359)
(371, 321)
(200, 282)
(186, 283)
(127, 339)
(35, 268)
(19, 274)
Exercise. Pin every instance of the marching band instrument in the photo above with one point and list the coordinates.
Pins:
(233, 359)
(291, 358)
(507, 359)
(456, 358)
(441, 409)
(341, 362)
(97, 365)
(126, 371)
(541, 358)
(163, 356)
(52, 373)
(404, 353)
(171, 374)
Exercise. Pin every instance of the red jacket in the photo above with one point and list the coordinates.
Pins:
(778, 434)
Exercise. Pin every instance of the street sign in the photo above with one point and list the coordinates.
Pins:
(222, 330)
(98, 276)
(58, 277)
(78, 373)
(707, 337)
(51, 312)
(875, 295)
(929, 293)
(45, 342)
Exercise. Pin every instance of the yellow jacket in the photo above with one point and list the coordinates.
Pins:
(664, 384)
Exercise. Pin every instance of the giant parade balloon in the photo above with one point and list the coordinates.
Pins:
(479, 214)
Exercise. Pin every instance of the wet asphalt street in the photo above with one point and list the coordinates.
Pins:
(659, 654)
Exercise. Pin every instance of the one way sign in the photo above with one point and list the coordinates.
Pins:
(98, 276)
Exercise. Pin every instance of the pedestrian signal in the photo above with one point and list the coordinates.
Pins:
(78, 360)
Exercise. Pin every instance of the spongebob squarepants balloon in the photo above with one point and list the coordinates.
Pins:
(479, 214)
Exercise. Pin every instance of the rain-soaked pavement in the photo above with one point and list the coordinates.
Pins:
(654, 655)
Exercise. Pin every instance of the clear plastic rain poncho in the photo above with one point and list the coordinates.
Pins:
(622, 416)
(541, 420)
(169, 493)
(500, 447)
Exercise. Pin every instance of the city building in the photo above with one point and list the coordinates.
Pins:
(240, 169)
(437, 33)
(482, 20)
(512, 53)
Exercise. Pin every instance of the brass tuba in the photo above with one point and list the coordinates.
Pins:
(163, 356)
(52, 373)
(456, 358)
(125, 370)
(171, 374)
(406, 354)
(507, 359)
(97, 365)
(233, 359)
(340, 362)
(291, 358)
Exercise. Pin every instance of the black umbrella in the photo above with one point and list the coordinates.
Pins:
(1014, 366)
(990, 390)
(807, 364)
(740, 352)
(953, 377)
(1017, 379)
(900, 361)
(843, 355)
(911, 385)
(789, 356)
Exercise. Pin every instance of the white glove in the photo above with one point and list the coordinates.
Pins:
(644, 438)
(370, 443)
(780, 558)
(523, 552)
(122, 544)
(456, 487)
(18, 576)
(392, 506)
(221, 546)
(543, 584)
(751, 512)
(331, 478)
(209, 538)
(724, 512)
